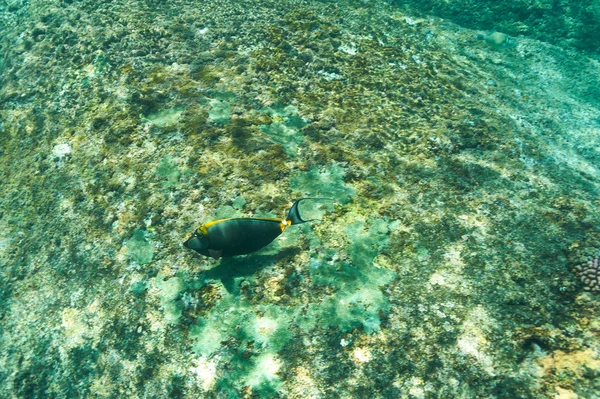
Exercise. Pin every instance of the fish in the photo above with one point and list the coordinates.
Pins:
(497, 40)
(241, 236)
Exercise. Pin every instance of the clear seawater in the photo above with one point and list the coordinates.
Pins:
(459, 141)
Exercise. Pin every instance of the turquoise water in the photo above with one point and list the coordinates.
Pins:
(459, 141)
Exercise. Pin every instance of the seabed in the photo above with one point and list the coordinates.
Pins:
(465, 175)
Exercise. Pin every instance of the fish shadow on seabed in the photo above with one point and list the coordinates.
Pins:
(229, 269)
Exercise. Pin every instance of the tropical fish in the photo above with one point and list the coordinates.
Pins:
(497, 40)
(241, 236)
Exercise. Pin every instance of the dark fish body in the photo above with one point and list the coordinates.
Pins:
(240, 236)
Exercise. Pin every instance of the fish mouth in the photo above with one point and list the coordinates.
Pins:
(196, 243)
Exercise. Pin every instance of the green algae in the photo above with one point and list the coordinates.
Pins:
(366, 245)
(168, 171)
(219, 112)
(166, 117)
(170, 290)
(238, 203)
(259, 332)
(138, 287)
(328, 183)
(359, 301)
(362, 308)
(227, 211)
(140, 250)
(447, 258)
(285, 128)
(282, 134)
(267, 326)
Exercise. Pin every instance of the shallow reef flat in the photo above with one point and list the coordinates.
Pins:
(457, 262)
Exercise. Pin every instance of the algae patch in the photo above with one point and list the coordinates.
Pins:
(168, 171)
(323, 183)
(170, 289)
(139, 249)
(165, 117)
(359, 300)
(264, 328)
(238, 203)
(219, 112)
(285, 128)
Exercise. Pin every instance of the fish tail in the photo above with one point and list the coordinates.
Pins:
(293, 215)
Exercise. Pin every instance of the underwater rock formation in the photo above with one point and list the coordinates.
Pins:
(466, 183)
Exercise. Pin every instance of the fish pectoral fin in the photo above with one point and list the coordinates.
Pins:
(215, 253)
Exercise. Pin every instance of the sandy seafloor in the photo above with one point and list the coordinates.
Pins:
(466, 180)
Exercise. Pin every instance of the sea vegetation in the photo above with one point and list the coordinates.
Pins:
(463, 179)
(285, 128)
(328, 183)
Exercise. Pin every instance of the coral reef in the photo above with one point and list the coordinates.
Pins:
(465, 183)
(589, 273)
